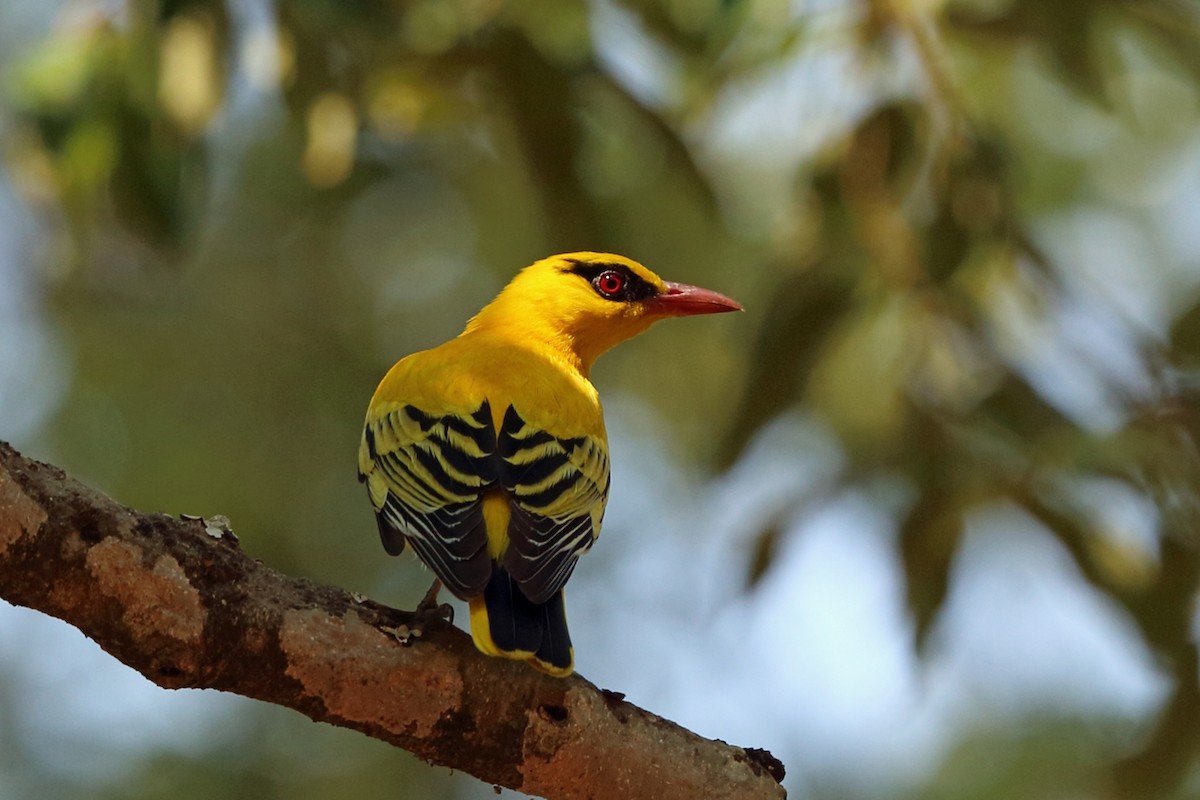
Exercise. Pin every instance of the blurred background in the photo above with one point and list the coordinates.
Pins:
(923, 521)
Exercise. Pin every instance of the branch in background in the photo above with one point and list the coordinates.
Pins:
(184, 606)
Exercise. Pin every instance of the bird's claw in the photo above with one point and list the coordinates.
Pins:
(415, 629)
(435, 610)
(428, 610)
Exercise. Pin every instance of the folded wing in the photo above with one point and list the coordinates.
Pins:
(426, 474)
(558, 488)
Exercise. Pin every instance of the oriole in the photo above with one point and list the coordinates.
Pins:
(488, 454)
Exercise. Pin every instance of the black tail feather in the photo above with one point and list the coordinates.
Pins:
(516, 623)
(556, 640)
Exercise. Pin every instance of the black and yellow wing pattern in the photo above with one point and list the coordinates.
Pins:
(428, 475)
(558, 489)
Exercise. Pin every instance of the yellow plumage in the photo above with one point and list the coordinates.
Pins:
(488, 454)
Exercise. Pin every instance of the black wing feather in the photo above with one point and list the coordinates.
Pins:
(558, 489)
(427, 475)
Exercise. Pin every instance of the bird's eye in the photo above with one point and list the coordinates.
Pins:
(609, 283)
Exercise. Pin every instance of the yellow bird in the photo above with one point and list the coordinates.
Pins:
(488, 455)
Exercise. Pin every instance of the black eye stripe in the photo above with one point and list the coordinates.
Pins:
(635, 287)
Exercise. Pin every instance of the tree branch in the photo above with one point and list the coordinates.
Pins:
(185, 607)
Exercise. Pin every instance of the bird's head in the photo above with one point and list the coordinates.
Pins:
(584, 303)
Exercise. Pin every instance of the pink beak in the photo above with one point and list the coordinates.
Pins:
(681, 300)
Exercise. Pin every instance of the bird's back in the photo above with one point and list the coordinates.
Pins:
(489, 457)
(488, 454)
(457, 375)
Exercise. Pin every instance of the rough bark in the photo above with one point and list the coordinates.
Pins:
(180, 602)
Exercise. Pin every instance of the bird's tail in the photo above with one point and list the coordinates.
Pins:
(504, 622)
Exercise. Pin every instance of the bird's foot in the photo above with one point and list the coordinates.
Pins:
(430, 608)
(426, 611)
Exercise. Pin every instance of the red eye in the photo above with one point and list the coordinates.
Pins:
(609, 283)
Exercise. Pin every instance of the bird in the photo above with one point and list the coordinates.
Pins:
(488, 457)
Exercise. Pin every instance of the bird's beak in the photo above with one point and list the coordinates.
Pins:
(681, 300)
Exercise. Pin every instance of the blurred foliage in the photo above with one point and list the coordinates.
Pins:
(251, 218)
